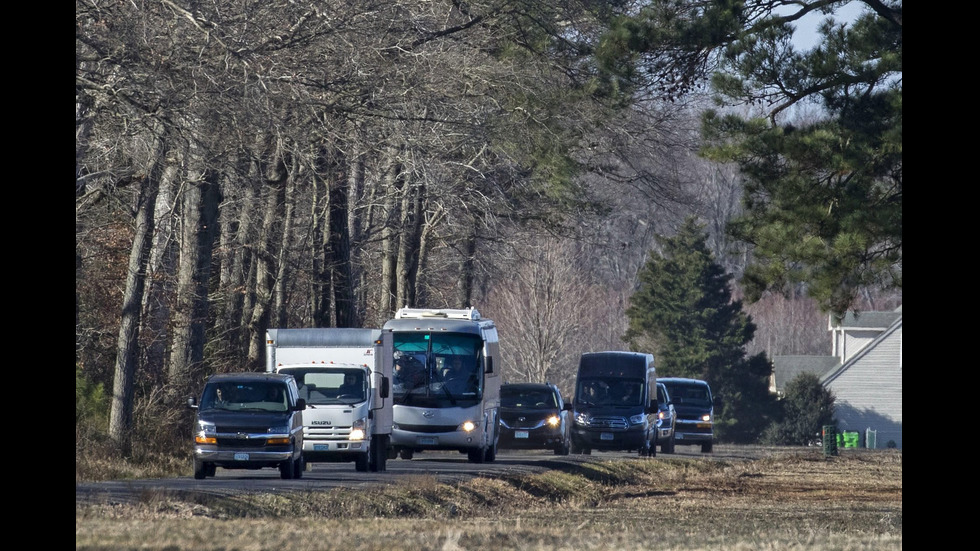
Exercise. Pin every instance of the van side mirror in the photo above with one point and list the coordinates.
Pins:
(300, 404)
(192, 402)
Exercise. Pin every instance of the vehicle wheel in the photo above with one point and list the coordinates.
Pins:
(561, 449)
(491, 453)
(668, 446)
(379, 454)
(201, 469)
(286, 469)
(574, 448)
(298, 467)
(706, 448)
(406, 453)
(361, 463)
(477, 455)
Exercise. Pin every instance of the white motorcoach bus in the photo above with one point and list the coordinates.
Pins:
(446, 383)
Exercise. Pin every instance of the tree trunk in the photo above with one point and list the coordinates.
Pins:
(198, 216)
(127, 347)
(264, 268)
(408, 243)
(158, 297)
(388, 298)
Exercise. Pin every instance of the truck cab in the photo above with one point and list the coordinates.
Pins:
(694, 407)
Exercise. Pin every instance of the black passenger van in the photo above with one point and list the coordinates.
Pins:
(615, 406)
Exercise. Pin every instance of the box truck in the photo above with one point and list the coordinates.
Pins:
(344, 377)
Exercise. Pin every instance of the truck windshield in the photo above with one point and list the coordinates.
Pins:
(330, 385)
(251, 396)
(690, 395)
(437, 370)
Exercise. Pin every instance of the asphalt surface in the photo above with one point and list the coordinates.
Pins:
(447, 467)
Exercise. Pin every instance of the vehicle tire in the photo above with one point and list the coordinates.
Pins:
(201, 469)
(562, 449)
(211, 469)
(706, 448)
(286, 469)
(379, 454)
(361, 463)
(668, 446)
(477, 455)
(405, 453)
(491, 453)
(298, 467)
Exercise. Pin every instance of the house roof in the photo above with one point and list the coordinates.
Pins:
(786, 368)
(832, 374)
(868, 320)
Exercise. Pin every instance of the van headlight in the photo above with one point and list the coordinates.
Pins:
(283, 429)
(205, 426)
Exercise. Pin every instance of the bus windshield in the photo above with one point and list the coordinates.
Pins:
(437, 369)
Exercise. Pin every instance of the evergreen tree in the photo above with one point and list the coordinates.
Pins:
(823, 197)
(684, 313)
(806, 407)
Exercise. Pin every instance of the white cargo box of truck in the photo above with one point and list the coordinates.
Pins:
(344, 374)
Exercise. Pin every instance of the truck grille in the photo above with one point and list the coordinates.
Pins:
(326, 433)
(609, 422)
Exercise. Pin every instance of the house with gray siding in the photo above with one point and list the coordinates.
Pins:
(864, 372)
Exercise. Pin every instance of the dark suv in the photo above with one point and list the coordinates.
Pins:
(533, 416)
(249, 421)
(694, 406)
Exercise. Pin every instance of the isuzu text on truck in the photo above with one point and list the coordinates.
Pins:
(344, 376)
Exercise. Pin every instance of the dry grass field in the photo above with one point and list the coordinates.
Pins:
(792, 501)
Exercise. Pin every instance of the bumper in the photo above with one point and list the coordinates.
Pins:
(521, 439)
(455, 440)
(243, 458)
(693, 433)
(329, 450)
(630, 439)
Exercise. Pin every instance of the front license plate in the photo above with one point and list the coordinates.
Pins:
(321, 447)
(520, 434)
(679, 436)
(606, 436)
(427, 441)
(241, 457)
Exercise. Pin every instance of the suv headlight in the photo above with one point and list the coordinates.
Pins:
(706, 417)
(638, 419)
(581, 418)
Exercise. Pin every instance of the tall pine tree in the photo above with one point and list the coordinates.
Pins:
(684, 313)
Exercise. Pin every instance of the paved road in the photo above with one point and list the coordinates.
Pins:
(447, 467)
